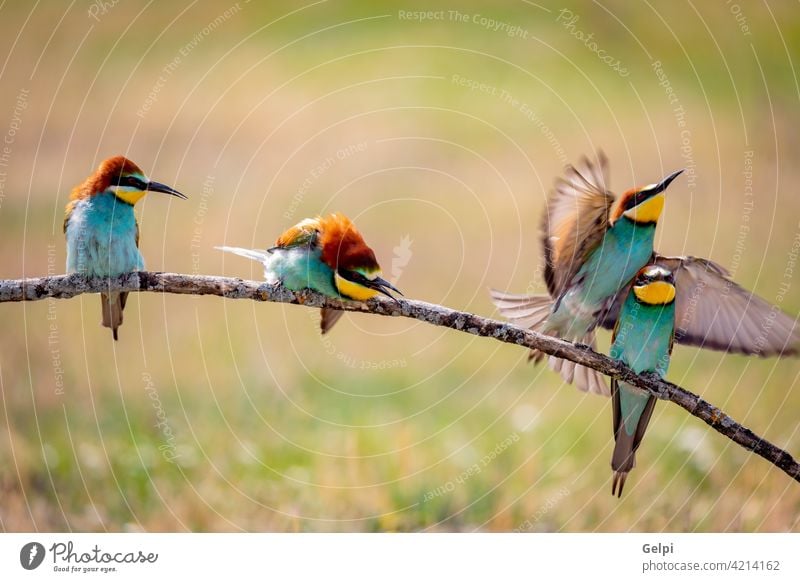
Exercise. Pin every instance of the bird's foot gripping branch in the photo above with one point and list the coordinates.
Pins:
(67, 286)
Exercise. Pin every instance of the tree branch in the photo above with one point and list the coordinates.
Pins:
(66, 286)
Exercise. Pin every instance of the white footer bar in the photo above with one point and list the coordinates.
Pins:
(406, 557)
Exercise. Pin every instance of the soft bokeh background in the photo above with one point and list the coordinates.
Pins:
(441, 139)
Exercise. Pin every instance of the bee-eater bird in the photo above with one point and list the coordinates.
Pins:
(325, 254)
(642, 339)
(593, 245)
(582, 270)
(101, 229)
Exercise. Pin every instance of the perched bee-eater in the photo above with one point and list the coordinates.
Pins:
(101, 229)
(642, 339)
(325, 254)
(593, 245)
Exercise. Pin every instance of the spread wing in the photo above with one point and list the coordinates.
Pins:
(713, 312)
(575, 221)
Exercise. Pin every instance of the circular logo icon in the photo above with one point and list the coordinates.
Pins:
(31, 555)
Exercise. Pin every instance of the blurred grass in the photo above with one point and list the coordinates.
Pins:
(380, 425)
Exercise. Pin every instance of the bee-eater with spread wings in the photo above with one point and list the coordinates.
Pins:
(593, 245)
(101, 229)
(326, 254)
(589, 264)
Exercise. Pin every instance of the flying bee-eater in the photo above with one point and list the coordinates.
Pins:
(593, 246)
(642, 339)
(325, 254)
(101, 229)
(711, 311)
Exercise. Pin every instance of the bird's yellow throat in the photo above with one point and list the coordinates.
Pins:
(353, 290)
(656, 293)
(648, 211)
(130, 196)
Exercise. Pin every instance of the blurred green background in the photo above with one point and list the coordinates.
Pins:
(440, 137)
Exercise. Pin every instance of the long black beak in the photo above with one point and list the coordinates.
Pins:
(663, 184)
(383, 286)
(159, 187)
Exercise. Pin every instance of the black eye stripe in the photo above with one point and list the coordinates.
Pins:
(638, 198)
(132, 182)
(354, 277)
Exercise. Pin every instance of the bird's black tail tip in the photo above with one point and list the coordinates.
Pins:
(618, 483)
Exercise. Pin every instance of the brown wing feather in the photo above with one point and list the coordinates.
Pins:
(713, 312)
(329, 318)
(575, 220)
(112, 305)
(305, 232)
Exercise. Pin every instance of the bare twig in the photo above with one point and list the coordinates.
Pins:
(66, 286)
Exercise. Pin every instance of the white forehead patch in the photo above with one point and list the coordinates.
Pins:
(656, 270)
